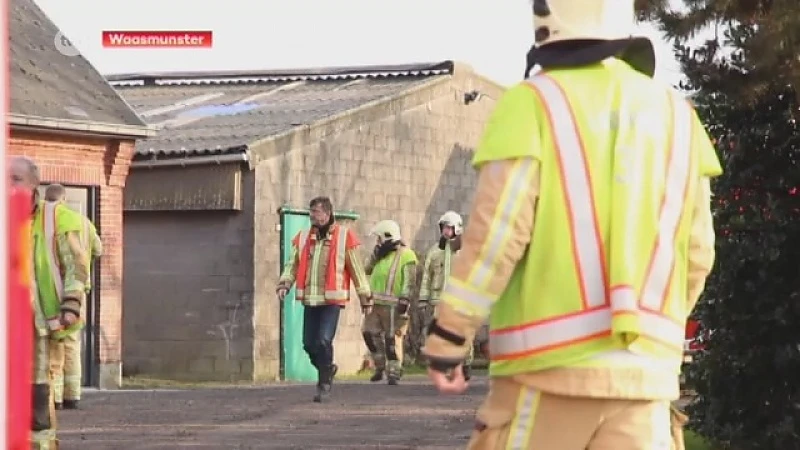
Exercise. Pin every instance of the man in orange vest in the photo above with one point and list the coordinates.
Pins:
(324, 260)
(589, 242)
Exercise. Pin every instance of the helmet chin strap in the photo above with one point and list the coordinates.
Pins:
(455, 242)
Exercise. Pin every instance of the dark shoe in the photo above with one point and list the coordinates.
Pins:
(59, 406)
(392, 381)
(334, 369)
(71, 404)
(323, 393)
(377, 376)
(467, 371)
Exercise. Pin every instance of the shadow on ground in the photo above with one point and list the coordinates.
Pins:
(360, 416)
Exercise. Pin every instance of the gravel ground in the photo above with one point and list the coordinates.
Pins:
(360, 415)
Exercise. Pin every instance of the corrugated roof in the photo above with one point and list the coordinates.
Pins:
(47, 84)
(224, 112)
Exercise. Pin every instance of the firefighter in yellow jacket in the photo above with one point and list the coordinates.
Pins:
(60, 277)
(590, 239)
(438, 262)
(392, 270)
(65, 355)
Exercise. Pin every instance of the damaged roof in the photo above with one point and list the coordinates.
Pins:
(51, 89)
(212, 113)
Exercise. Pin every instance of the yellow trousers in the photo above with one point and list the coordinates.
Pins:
(384, 331)
(516, 417)
(43, 439)
(65, 368)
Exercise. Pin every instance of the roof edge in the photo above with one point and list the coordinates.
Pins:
(447, 66)
(81, 126)
(461, 69)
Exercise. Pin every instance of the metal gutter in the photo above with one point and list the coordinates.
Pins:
(80, 126)
(191, 161)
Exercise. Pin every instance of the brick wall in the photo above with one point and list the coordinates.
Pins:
(102, 163)
(408, 160)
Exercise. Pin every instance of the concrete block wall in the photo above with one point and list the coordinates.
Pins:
(190, 291)
(408, 160)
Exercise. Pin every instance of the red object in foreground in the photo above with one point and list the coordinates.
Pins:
(693, 335)
(19, 324)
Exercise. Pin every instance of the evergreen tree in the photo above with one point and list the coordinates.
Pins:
(744, 82)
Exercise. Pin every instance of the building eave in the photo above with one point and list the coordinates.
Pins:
(82, 127)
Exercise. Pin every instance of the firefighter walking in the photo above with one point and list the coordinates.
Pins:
(438, 261)
(324, 260)
(392, 270)
(590, 240)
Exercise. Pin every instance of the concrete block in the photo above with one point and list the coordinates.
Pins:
(240, 284)
(202, 365)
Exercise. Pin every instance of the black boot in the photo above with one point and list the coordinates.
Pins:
(467, 371)
(323, 393)
(332, 372)
(59, 406)
(377, 376)
(325, 382)
(71, 404)
(40, 416)
(393, 374)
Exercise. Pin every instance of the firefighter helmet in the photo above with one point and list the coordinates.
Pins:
(452, 219)
(607, 20)
(388, 230)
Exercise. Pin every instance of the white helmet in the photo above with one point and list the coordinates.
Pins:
(452, 219)
(569, 20)
(387, 230)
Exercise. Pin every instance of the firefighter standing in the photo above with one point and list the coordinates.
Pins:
(392, 270)
(65, 355)
(60, 277)
(438, 262)
(590, 240)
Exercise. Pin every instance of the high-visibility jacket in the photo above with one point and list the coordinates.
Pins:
(437, 268)
(55, 280)
(606, 267)
(92, 247)
(390, 279)
(322, 269)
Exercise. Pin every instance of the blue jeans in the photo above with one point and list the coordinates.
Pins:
(319, 329)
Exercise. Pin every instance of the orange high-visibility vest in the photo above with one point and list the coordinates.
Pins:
(337, 279)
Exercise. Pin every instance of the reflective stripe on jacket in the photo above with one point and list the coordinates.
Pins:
(55, 263)
(606, 268)
(390, 279)
(437, 269)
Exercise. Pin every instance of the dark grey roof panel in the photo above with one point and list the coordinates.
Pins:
(198, 117)
(48, 84)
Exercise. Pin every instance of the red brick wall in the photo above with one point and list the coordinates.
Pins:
(103, 163)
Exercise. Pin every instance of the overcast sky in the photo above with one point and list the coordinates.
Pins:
(491, 35)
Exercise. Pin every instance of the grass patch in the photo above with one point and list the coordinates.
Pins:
(136, 382)
(695, 442)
